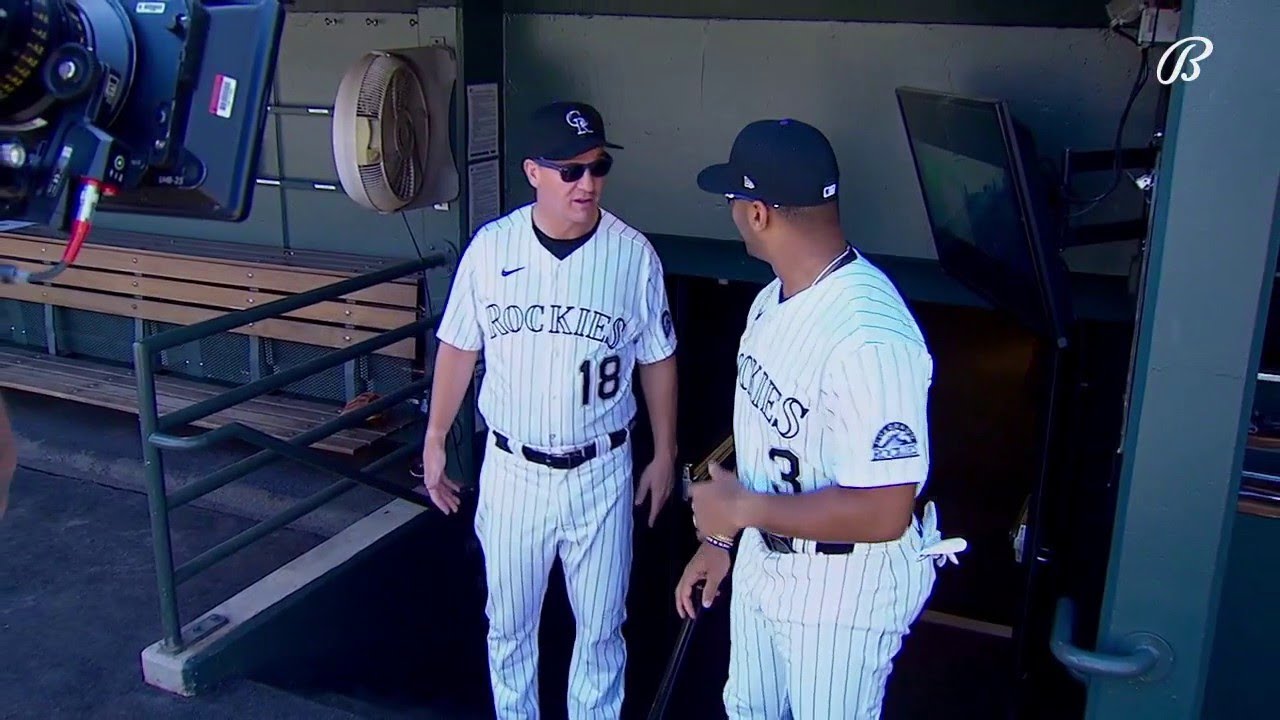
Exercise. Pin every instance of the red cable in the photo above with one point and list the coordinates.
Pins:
(90, 191)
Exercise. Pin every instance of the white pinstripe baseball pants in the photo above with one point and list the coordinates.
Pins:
(813, 637)
(526, 515)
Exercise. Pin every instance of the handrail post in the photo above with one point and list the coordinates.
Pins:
(157, 496)
(152, 424)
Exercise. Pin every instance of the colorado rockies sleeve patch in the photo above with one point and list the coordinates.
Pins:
(894, 442)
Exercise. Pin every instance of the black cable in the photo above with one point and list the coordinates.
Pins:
(412, 237)
(1139, 82)
(1127, 36)
(454, 440)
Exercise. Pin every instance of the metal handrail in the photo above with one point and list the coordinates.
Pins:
(218, 478)
(353, 476)
(153, 427)
(277, 380)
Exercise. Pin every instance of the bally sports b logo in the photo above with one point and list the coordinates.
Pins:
(1181, 52)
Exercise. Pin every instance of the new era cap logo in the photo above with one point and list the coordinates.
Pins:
(746, 183)
(575, 120)
(828, 191)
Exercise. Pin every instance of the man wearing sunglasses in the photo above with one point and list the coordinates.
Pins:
(565, 300)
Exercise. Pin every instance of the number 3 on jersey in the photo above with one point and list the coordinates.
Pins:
(606, 384)
(791, 471)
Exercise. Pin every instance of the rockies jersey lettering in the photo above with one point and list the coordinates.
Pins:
(556, 320)
(832, 388)
(783, 414)
(561, 336)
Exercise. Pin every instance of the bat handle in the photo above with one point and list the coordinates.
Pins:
(658, 711)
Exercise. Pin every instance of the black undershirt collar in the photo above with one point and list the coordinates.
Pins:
(562, 248)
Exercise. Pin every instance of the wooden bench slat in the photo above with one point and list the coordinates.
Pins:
(322, 335)
(189, 268)
(78, 382)
(188, 391)
(75, 383)
(320, 261)
(106, 394)
(363, 316)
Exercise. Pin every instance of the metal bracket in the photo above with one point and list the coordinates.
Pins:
(350, 386)
(255, 358)
(298, 184)
(195, 632)
(311, 110)
(50, 329)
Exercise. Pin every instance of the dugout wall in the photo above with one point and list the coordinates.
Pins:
(674, 81)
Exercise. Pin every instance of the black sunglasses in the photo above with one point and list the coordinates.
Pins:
(747, 198)
(573, 172)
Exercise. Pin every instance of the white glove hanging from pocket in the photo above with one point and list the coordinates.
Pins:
(933, 545)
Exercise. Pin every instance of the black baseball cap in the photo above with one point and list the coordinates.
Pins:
(787, 163)
(563, 130)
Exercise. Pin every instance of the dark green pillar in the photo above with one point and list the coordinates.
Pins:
(481, 63)
(1210, 268)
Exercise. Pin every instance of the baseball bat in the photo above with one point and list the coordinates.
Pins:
(700, 472)
(690, 474)
(659, 709)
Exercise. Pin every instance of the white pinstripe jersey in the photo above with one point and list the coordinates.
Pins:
(560, 337)
(832, 388)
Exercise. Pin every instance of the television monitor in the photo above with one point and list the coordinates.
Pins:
(987, 205)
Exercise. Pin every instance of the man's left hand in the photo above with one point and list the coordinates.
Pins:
(655, 484)
(717, 502)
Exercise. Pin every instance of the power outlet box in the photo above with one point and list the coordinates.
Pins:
(1158, 26)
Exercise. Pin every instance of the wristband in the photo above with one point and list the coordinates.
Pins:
(720, 541)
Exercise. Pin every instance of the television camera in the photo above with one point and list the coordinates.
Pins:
(144, 106)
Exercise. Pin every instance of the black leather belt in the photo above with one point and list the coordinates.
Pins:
(561, 461)
(780, 544)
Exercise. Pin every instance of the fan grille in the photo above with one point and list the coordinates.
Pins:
(373, 88)
(404, 175)
(379, 135)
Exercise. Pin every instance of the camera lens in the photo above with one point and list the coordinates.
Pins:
(29, 31)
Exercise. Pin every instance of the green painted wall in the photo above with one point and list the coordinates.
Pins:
(675, 91)
(1245, 653)
(1065, 13)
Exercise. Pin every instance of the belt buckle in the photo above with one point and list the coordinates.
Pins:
(567, 461)
(558, 461)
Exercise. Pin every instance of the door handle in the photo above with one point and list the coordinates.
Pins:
(1141, 655)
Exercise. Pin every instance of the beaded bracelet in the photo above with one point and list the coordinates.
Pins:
(720, 541)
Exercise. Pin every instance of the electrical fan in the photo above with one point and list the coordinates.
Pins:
(381, 125)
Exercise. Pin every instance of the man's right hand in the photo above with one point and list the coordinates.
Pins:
(442, 490)
(709, 566)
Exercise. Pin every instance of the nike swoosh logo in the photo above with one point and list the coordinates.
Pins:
(509, 272)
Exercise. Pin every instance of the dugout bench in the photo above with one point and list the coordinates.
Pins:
(157, 283)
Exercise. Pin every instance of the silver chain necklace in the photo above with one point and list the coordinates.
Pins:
(827, 270)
